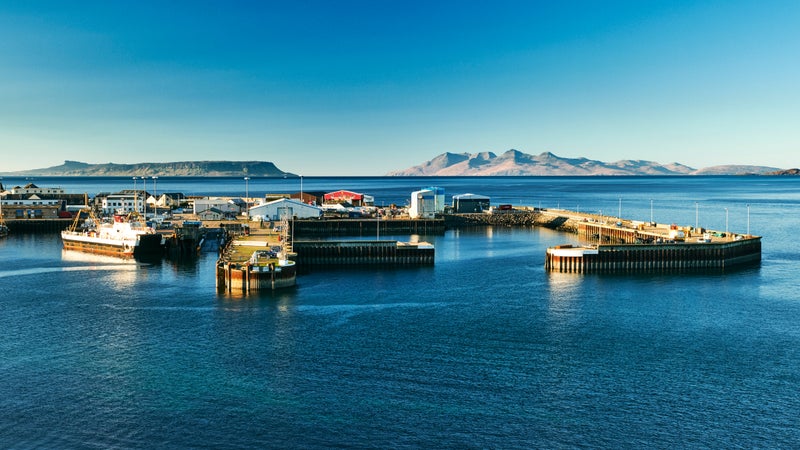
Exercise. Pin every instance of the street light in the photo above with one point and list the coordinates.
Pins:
(155, 194)
(696, 216)
(301, 189)
(726, 221)
(144, 197)
(135, 196)
(651, 212)
(247, 197)
(619, 213)
(748, 219)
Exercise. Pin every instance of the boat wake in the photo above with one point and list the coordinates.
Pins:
(344, 313)
(41, 270)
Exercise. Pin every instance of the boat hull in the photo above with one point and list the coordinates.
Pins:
(142, 246)
(246, 278)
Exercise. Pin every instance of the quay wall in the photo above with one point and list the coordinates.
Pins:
(245, 278)
(684, 257)
(360, 253)
(365, 227)
(38, 225)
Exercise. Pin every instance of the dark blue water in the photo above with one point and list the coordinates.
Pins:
(482, 350)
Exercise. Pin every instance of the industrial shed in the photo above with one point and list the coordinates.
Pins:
(470, 203)
(276, 209)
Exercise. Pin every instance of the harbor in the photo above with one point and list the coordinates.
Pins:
(265, 242)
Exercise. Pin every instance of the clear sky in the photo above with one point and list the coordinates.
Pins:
(364, 87)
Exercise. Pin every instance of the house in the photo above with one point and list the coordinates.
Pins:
(470, 203)
(168, 200)
(277, 209)
(354, 198)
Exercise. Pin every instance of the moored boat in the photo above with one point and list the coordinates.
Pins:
(125, 237)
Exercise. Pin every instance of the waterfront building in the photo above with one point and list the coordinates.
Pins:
(31, 201)
(354, 198)
(423, 204)
(470, 203)
(226, 205)
(285, 207)
(212, 214)
(125, 201)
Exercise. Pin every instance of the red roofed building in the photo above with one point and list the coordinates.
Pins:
(354, 198)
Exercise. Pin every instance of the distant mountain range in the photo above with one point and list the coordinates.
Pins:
(177, 169)
(514, 162)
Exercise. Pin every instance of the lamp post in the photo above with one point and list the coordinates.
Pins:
(135, 196)
(301, 190)
(144, 197)
(696, 215)
(155, 195)
(651, 212)
(619, 211)
(247, 197)
(748, 219)
(726, 222)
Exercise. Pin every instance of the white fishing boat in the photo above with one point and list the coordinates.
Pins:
(125, 237)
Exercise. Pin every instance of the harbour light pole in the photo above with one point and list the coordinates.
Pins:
(144, 197)
(696, 216)
(748, 219)
(247, 197)
(301, 189)
(651, 212)
(619, 212)
(155, 195)
(135, 197)
(726, 222)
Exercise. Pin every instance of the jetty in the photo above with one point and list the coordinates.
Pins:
(620, 246)
(267, 258)
(255, 260)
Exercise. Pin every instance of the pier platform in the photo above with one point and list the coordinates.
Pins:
(255, 260)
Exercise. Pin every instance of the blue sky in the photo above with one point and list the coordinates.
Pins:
(365, 87)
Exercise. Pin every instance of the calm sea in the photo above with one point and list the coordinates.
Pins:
(482, 350)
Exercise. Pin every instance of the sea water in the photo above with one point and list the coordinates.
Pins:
(483, 350)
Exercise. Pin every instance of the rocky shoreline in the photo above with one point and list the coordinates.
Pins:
(511, 219)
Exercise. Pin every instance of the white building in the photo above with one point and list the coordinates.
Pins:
(31, 188)
(423, 204)
(289, 208)
(123, 202)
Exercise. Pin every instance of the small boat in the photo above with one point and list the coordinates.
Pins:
(125, 237)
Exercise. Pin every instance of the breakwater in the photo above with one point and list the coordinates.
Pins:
(621, 246)
(686, 257)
